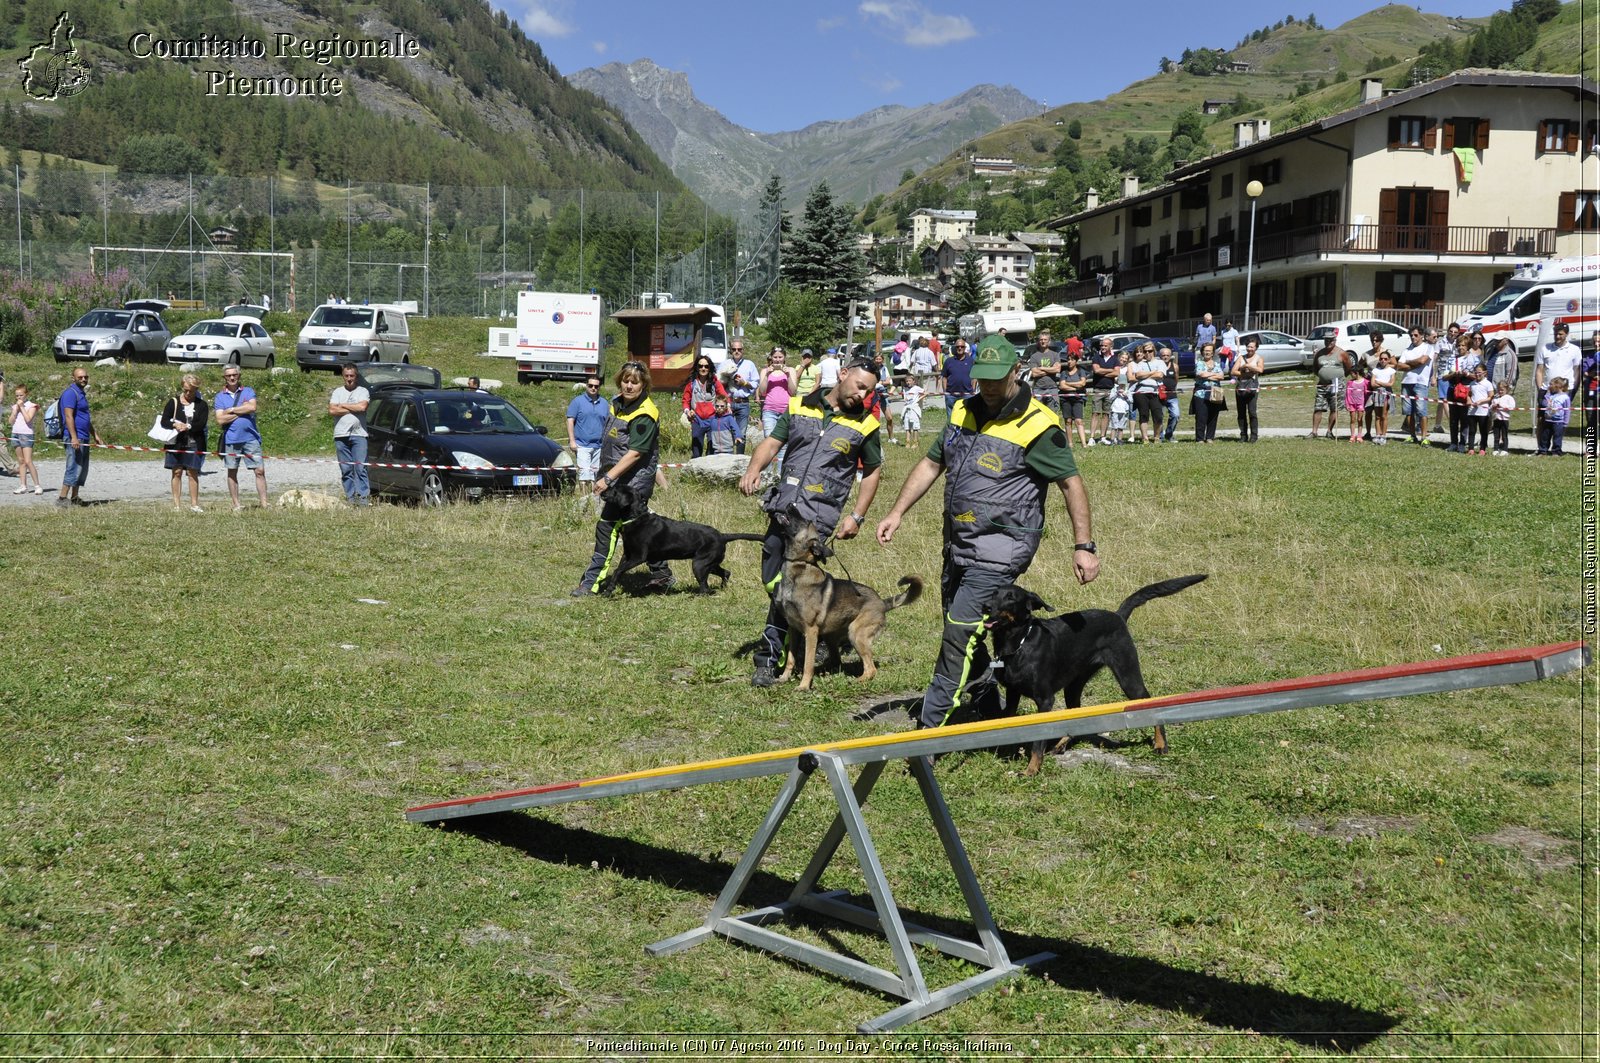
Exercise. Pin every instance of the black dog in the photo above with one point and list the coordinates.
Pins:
(648, 538)
(1042, 657)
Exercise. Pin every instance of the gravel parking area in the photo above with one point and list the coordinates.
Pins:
(145, 481)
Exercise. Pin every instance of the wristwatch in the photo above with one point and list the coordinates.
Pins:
(1088, 546)
(607, 480)
(858, 518)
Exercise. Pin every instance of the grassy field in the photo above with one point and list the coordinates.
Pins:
(211, 741)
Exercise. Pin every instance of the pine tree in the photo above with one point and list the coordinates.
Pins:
(969, 293)
(823, 256)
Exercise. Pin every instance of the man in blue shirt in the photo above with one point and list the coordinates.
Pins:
(235, 408)
(586, 427)
(957, 374)
(1205, 333)
(77, 432)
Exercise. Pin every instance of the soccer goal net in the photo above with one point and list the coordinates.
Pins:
(212, 277)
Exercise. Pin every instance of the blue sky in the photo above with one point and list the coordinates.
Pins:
(774, 67)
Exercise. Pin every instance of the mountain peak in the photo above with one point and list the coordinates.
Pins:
(728, 165)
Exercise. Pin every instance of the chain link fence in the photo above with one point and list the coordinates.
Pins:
(207, 241)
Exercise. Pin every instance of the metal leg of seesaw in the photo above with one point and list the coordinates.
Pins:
(884, 916)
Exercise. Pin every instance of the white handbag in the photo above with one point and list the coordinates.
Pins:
(161, 434)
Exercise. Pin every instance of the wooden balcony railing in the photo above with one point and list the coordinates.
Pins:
(1483, 240)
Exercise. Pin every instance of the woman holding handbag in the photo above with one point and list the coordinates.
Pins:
(1209, 399)
(186, 413)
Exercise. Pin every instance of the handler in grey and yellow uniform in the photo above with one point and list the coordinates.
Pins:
(829, 435)
(628, 454)
(1002, 449)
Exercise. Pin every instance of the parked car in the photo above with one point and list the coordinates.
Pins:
(125, 333)
(1278, 350)
(1355, 336)
(234, 340)
(374, 375)
(482, 442)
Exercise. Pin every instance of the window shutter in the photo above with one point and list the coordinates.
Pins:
(1394, 133)
(1544, 132)
(1450, 132)
(1430, 134)
(1572, 138)
(1566, 207)
(1483, 135)
(1433, 290)
(1383, 290)
(1438, 220)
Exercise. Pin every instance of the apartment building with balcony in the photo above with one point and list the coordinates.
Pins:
(1001, 256)
(1412, 205)
(931, 225)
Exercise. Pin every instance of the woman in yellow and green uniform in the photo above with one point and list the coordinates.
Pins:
(628, 453)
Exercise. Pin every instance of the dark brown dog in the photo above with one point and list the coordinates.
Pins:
(648, 538)
(835, 611)
(1043, 657)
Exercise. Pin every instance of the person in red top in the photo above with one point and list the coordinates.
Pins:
(1074, 346)
(700, 397)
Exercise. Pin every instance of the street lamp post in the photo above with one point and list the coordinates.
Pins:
(1253, 190)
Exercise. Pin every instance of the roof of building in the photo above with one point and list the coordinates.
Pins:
(986, 242)
(1575, 83)
(952, 215)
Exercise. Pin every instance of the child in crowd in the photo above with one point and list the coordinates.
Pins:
(1355, 401)
(911, 411)
(1121, 403)
(727, 434)
(23, 411)
(1557, 412)
(1480, 393)
(1072, 385)
(1380, 390)
(1500, 412)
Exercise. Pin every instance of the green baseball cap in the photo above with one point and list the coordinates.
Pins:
(996, 359)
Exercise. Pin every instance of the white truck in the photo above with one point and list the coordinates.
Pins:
(1515, 308)
(559, 336)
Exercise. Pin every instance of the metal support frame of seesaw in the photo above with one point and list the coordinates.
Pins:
(832, 759)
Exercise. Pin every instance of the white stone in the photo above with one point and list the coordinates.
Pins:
(722, 468)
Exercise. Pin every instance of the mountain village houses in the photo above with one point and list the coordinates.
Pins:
(1412, 206)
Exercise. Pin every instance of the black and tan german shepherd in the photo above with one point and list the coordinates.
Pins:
(822, 608)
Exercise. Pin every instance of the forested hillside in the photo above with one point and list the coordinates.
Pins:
(480, 105)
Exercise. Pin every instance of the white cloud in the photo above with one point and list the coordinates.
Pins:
(599, 47)
(539, 22)
(914, 25)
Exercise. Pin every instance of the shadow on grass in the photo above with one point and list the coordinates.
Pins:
(1331, 1025)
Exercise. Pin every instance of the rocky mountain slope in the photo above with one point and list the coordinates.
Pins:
(728, 165)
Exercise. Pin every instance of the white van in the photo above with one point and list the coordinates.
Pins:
(339, 332)
(1580, 313)
(1514, 309)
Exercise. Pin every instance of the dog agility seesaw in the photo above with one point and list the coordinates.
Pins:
(833, 759)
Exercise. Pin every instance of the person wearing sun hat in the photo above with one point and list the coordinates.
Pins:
(1000, 452)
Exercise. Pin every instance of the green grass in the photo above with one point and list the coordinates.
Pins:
(210, 741)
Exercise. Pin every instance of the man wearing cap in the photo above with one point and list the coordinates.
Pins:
(1001, 450)
(825, 436)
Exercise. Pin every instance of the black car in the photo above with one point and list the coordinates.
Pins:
(479, 444)
(374, 375)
